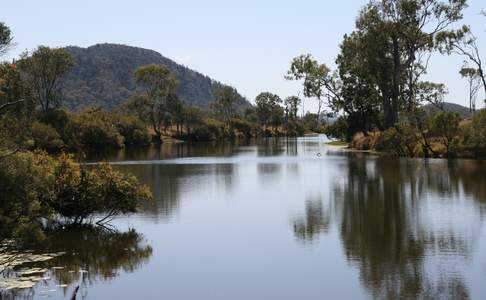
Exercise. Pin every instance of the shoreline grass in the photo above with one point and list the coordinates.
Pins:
(338, 143)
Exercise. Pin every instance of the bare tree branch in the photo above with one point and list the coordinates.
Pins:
(5, 105)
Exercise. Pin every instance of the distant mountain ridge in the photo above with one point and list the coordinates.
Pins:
(103, 77)
(463, 111)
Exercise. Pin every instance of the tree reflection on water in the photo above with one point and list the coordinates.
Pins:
(91, 254)
(382, 212)
(315, 221)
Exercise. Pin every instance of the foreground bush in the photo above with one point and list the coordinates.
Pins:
(38, 189)
(26, 182)
(81, 192)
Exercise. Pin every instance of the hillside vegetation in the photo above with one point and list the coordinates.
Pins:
(103, 77)
(462, 111)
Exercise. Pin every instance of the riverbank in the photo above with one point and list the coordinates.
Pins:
(442, 135)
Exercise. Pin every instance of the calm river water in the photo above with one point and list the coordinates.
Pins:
(283, 219)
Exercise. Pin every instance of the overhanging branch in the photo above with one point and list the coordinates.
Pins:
(5, 105)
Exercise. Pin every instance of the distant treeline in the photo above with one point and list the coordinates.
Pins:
(153, 114)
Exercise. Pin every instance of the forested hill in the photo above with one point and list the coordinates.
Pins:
(449, 107)
(103, 77)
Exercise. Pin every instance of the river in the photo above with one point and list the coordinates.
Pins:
(282, 219)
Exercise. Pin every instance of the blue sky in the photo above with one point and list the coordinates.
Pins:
(248, 44)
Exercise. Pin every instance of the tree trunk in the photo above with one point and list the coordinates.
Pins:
(387, 110)
(483, 79)
(158, 136)
(158, 140)
(396, 82)
(471, 96)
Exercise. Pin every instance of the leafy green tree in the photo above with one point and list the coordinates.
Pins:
(392, 141)
(192, 117)
(419, 121)
(133, 130)
(6, 39)
(81, 193)
(317, 79)
(37, 188)
(13, 136)
(15, 96)
(210, 129)
(26, 182)
(142, 107)
(431, 93)
(10, 83)
(43, 70)
(473, 83)
(266, 106)
(250, 114)
(292, 104)
(158, 81)
(175, 107)
(62, 122)
(293, 126)
(277, 116)
(159, 86)
(310, 122)
(15, 111)
(225, 102)
(359, 99)
(338, 129)
(369, 48)
(395, 36)
(445, 125)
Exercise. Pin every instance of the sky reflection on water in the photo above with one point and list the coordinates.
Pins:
(273, 220)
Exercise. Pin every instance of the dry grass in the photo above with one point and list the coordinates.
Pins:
(364, 142)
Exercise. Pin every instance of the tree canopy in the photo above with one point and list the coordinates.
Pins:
(43, 70)
(6, 38)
